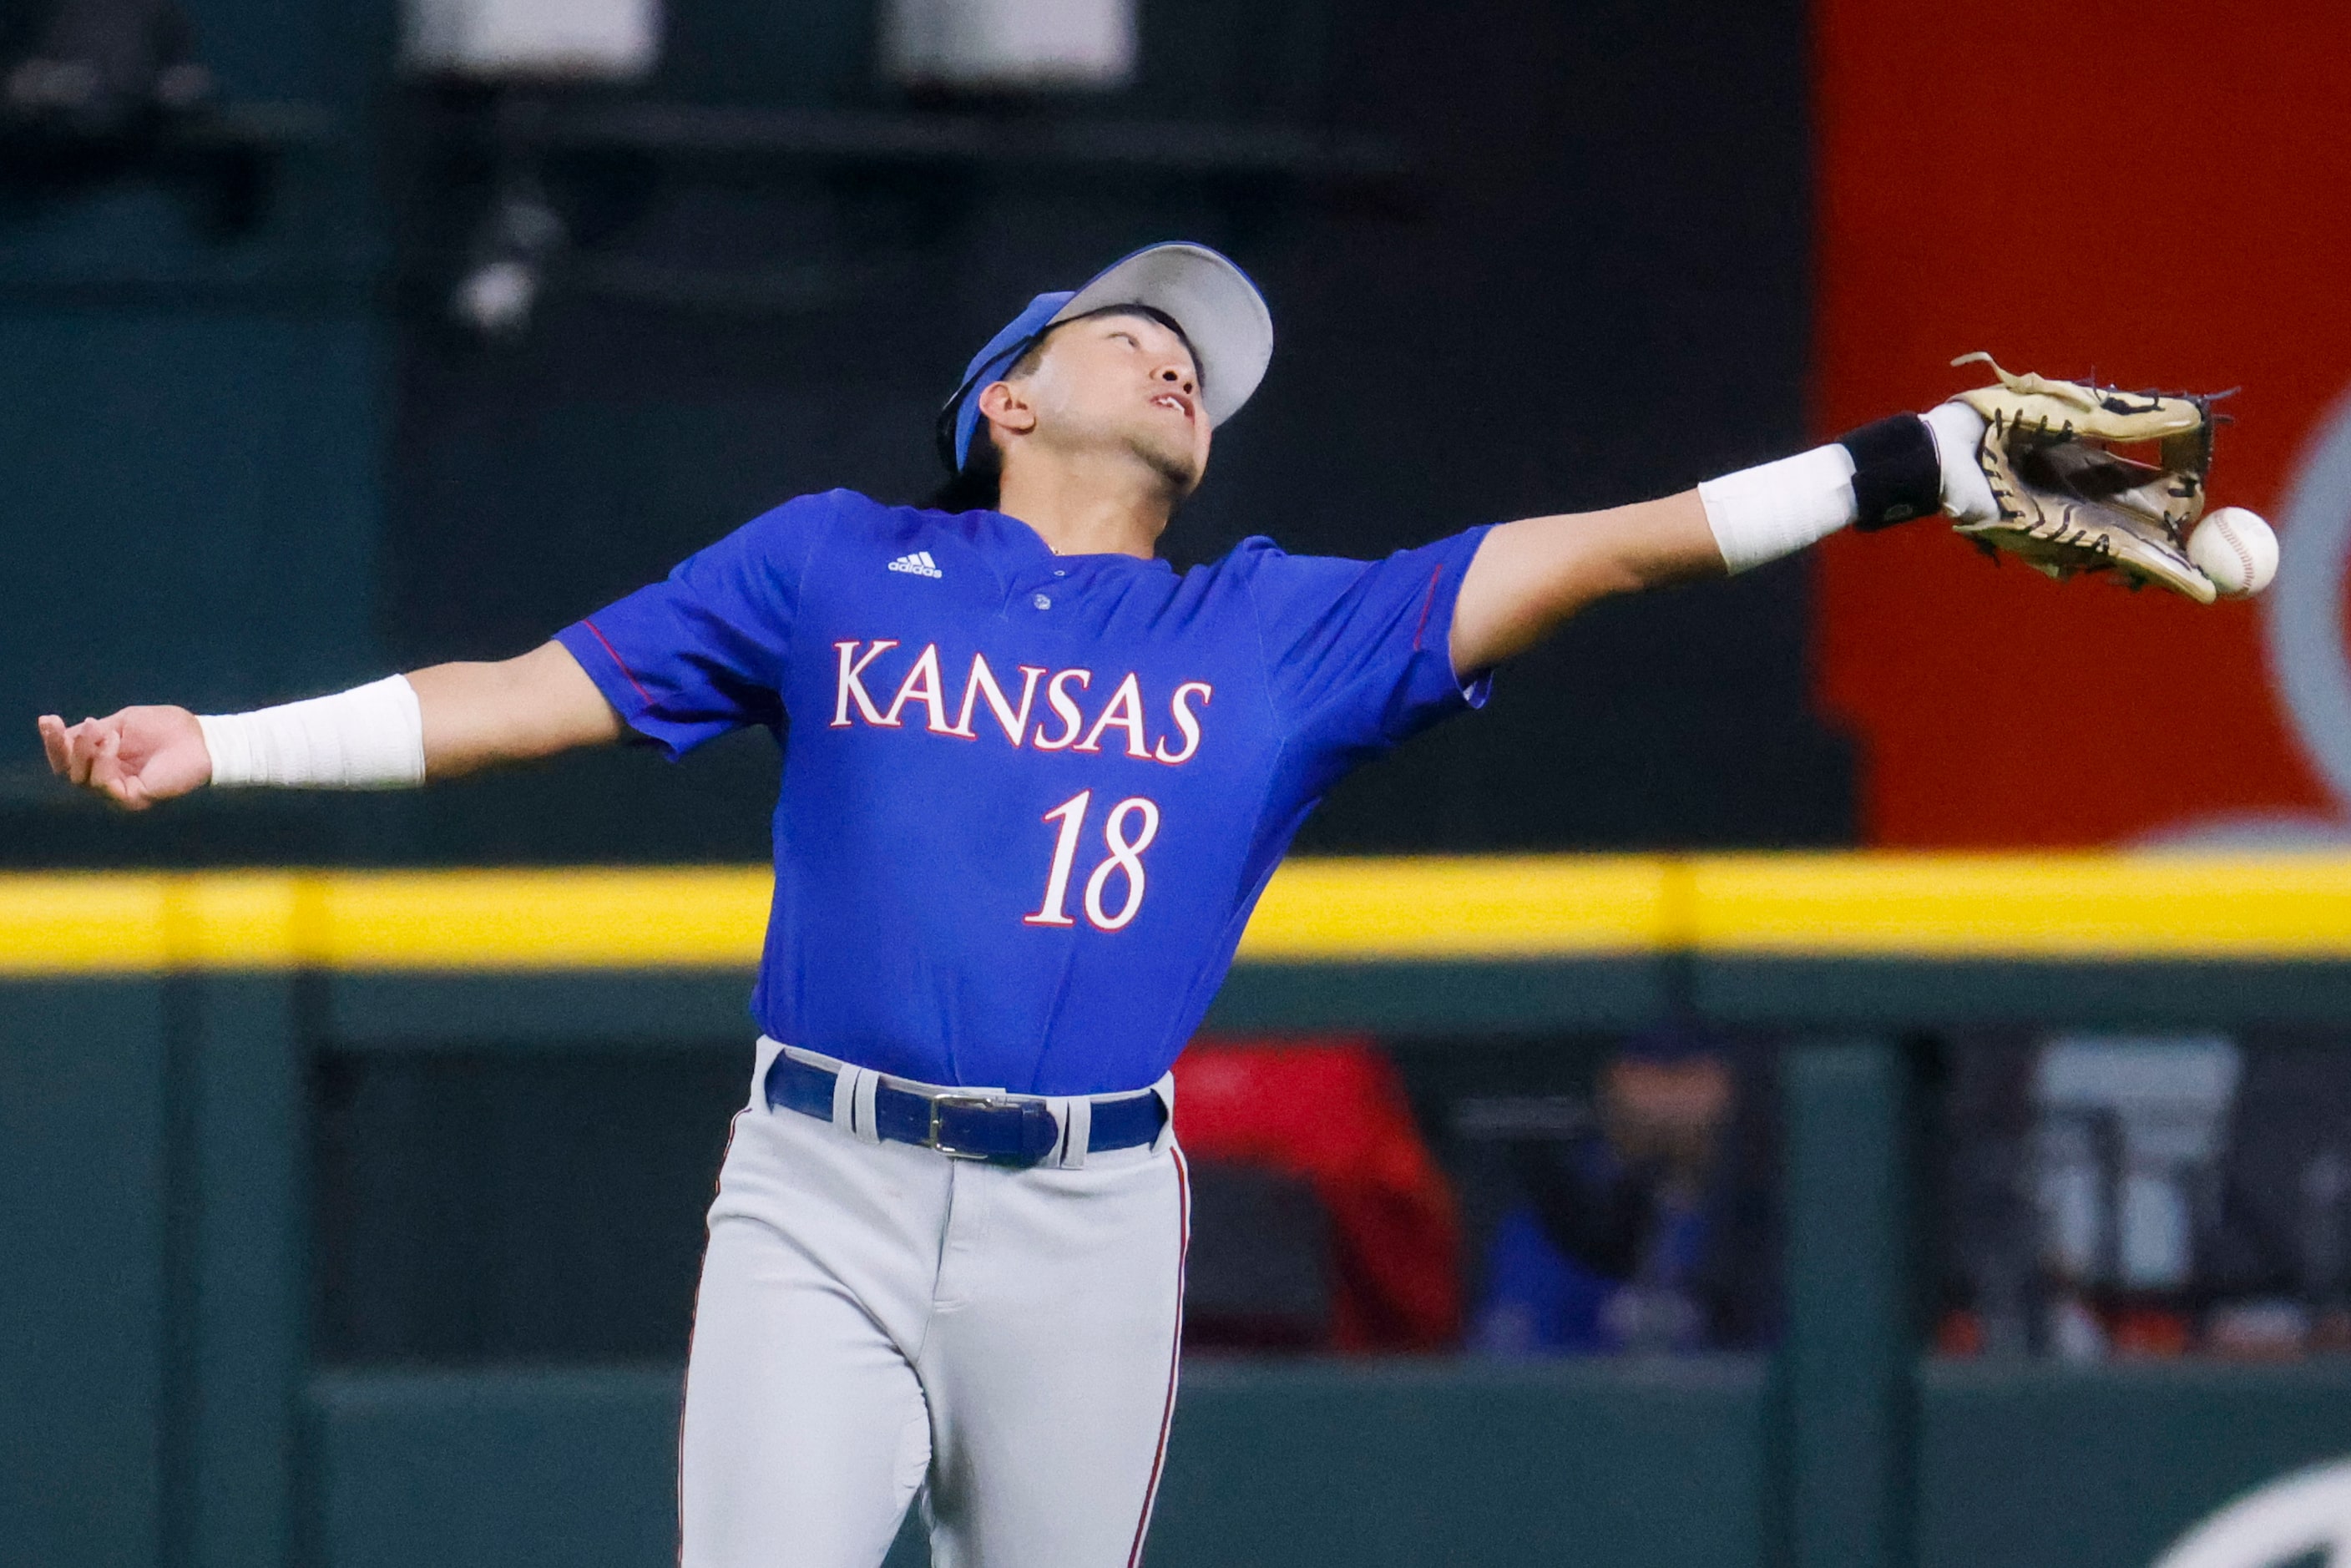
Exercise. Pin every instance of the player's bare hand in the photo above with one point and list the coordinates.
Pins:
(135, 757)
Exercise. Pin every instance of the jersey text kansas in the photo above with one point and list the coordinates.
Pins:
(1027, 799)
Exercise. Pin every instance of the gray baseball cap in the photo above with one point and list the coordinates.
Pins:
(1210, 299)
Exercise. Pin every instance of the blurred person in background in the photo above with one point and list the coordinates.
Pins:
(1332, 1115)
(1635, 1235)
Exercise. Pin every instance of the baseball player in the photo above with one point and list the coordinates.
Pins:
(1036, 781)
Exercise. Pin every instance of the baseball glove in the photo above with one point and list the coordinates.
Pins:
(2069, 502)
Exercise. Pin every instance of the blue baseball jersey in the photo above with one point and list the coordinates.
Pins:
(1029, 800)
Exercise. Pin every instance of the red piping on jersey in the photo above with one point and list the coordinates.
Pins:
(1175, 1352)
(1425, 606)
(641, 691)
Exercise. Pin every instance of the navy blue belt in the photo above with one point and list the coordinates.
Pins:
(991, 1127)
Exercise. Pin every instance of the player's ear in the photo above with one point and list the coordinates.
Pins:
(1005, 403)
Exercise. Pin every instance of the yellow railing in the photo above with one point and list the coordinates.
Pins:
(1338, 910)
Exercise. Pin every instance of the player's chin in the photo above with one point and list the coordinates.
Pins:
(1180, 467)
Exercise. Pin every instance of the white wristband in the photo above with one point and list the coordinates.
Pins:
(1763, 513)
(371, 738)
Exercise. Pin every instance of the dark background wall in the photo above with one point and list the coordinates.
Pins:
(253, 469)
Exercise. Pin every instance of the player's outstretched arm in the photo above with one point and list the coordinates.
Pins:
(477, 715)
(1531, 575)
(434, 724)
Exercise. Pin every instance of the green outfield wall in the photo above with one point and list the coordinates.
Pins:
(160, 1408)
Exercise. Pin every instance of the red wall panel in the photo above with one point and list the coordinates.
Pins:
(2160, 191)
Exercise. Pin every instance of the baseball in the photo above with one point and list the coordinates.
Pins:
(2236, 549)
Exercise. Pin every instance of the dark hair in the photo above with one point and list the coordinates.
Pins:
(980, 484)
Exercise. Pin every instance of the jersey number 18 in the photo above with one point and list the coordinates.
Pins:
(1126, 845)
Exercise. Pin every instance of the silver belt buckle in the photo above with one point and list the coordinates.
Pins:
(980, 1102)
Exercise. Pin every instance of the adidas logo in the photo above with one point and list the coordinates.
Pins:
(920, 563)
